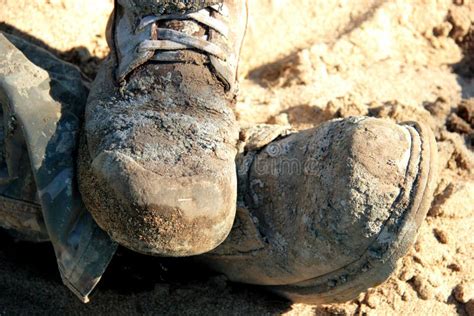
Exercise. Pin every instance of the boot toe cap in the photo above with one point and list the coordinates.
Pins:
(336, 208)
(160, 215)
(387, 190)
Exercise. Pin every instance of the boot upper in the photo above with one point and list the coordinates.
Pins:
(158, 170)
(325, 204)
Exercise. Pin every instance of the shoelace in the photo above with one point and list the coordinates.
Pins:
(171, 40)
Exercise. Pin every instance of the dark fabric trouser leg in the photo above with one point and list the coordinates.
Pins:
(42, 101)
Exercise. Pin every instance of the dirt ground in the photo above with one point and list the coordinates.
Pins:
(304, 62)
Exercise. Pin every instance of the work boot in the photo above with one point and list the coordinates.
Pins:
(325, 214)
(157, 156)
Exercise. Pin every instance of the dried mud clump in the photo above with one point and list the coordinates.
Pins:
(462, 121)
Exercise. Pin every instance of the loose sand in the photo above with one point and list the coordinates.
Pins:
(304, 62)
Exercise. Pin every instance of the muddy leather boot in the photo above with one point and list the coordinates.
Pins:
(325, 214)
(157, 155)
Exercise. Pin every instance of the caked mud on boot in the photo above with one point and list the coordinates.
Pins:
(325, 214)
(157, 156)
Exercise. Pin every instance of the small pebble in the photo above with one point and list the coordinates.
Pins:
(281, 119)
(441, 235)
(407, 275)
(423, 288)
(443, 29)
(464, 292)
(454, 267)
(372, 299)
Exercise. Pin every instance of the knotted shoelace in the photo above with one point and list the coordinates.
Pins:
(169, 40)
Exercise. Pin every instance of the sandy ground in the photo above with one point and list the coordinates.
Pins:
(304, 62)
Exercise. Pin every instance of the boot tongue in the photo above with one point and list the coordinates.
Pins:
(188, 27)
(149, 7)
(130, 58)
(136, 82)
